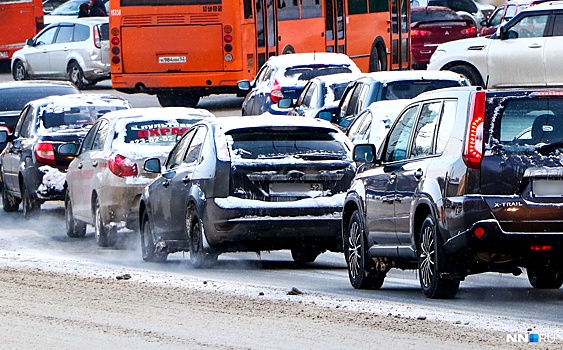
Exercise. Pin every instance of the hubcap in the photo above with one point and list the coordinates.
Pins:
(354, 249)
(427, 256)
(19, 73)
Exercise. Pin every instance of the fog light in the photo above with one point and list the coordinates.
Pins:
(228, 57)
(479, 232)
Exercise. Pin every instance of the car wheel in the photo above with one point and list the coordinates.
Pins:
(198, 256)
(76, 76)
(9, 202)
(362, 270)
(74, 228)
(432, 262)
(105, 236)
(166, 99)
(148, 246)
(30, 203)
(302, 255)
(19, 72)
(545, 278)
(470, 73)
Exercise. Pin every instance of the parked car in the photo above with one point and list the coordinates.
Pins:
(467, 181)
(503, 14)
(69, 9)
(378, 86)
(467, 9)
(320, 96)
(105, 180)
(524, 52)
(33, 165)
(373, 123)
(75, 50)
(248, 184)
(434, 25)
(285, 76)
(14, 96)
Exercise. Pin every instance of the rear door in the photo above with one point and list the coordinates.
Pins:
(62, 46)
(15, 151)
(554, 52)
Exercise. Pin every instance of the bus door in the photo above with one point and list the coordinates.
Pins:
(400, 35)
(334, 34)
(266, 30)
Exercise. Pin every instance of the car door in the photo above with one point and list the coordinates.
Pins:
(161, 194)
(60, 49)
(37, 55)
(519, 59)
(381, 181)
(261, 91)
(554, 52)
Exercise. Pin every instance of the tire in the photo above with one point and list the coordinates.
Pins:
(378, 61)
(74, 228)
(9, 202)
(30, 203)
(545, 278)
(303, 255)
(188, 100)
(166, 100)
(470, 73)
(105, 237)
(148, 246)
(288, 50)
(198, 256)
(362, 270)
(432, 262)
(19, 72)
(76, 76)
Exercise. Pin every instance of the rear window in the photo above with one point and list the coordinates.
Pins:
(439, 15)
(310, 72)
(15, 99)
(529, 121)
(58, 117)
(306, 144)
(160, 132)
(338, 90)
(411, 88)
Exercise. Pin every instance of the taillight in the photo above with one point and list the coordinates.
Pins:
(469, 31)
(115, 41)
(276, 94)
(227, 45)
(39, 24)
(420, 32)
(121, 166)
(45, 153)
(97, 39)
(473, 151)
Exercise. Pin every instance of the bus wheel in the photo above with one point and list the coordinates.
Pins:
(288, 49)
(187, 99)
(377, 60)
(166, 99)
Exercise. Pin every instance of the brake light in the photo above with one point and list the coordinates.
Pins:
(227, 46)
(420, 32)
(479, 232)
(473, 151)
(548, 93)
(540, 248)
(469, 31)
(97, 40)
(276, 94)
(121, 166)
(45, 153)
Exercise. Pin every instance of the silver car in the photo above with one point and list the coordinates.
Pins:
(76, 50)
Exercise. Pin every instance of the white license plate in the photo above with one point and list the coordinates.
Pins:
(172, 59)
(547, 188)
(294, 188)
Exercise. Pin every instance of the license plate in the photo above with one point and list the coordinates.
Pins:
(294, 188)
(547, 188)
(172, 59)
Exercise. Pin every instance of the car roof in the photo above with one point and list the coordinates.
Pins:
(337, 78)
(35, 83)
(151, 113)
(302, 59)
(549, 5)
(390, 76)
(83, 99)
(227, 124)
(83, 20)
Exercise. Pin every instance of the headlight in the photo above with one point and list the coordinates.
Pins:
(437, 54)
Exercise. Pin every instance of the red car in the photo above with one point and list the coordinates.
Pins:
(434, 25)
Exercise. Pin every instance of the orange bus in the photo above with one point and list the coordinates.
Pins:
(181, 50)
(19, 21)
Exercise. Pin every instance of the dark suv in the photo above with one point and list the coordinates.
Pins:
(466, 181)
(33, 168)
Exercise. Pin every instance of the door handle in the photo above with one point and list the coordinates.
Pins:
(166, 184)
(186, 179)
(79, 166)
(95, 163)
(418, 174)
(535, 46)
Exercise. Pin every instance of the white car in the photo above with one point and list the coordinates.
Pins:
(526, 51)
(76, 50)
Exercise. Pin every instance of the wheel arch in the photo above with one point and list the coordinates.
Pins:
(422, 211)
(288, 49)
(351, 204)
(452, 64)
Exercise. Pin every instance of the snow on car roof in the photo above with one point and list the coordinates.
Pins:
(84, 100)
(389, 76)
(269, 120)
(149, 113)
(303, 59)
(550, 5)
(338, 78)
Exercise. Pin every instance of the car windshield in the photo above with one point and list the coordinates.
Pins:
(14, 99)
(161, 132)
(405, 89)
(287, 143)
(59, 117)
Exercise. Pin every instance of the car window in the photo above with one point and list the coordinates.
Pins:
(353, 103)
(356, 125)
(468, 6)
(25, 125)
(81, 32)
(558, 26)
(407, 89)
(89, 139)
(194, 150)
(311, 97)
(177, 154)
(529, 27)
(65, 34)
(363, 99)
(399, 136)
(496, 17)
(15, 99)
(308, 73)
(47, 36)
(510, 11)
(158, 132)
(424, 132)
(446, 125)
(101, 136)
(304, 93)
(346, 100)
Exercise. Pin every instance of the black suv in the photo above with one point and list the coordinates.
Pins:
(33, 168)
(466, 181)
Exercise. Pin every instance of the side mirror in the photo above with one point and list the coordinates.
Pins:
(243, 85)
(484, 23)
(152, 165)
(68, 149)
(325, 115)
(364, 153)
(285, 103)
(30, 42)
